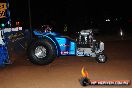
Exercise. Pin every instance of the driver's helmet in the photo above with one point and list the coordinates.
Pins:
(46, 28)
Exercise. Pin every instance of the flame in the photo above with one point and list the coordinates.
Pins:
(84, 73)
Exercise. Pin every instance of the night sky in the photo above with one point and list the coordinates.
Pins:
(72, 12)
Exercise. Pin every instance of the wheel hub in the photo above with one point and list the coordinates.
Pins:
(40, 52)
(101, 58)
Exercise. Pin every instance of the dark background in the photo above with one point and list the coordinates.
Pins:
(77, 14)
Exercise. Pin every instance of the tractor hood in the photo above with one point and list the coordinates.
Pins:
(53, 34)
(46, 33)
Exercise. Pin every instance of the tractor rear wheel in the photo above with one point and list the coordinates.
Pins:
(42, 52)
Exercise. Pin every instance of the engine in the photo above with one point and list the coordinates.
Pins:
(85, 38)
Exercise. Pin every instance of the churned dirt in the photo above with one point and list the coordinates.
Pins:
(65, 72)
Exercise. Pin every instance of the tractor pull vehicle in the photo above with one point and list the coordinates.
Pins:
(4, 54)
(46, 46)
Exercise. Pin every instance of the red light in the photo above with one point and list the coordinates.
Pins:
(17, 23)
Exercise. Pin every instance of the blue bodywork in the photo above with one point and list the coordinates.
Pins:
(65, 46)
(3, 55)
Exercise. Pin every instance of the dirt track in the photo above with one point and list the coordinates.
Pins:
(65, 72)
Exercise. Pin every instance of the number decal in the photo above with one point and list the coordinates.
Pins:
(2, 10)
(2, 14)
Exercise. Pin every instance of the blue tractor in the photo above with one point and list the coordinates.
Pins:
(4, 54)
(46, 46)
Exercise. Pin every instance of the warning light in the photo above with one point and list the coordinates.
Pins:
(17, 23)
(2, 25)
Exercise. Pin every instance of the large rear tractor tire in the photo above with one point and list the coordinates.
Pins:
(42, 52)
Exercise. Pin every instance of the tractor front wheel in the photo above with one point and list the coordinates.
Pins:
(101, 58)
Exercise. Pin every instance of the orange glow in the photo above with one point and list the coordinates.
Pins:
(84, 73)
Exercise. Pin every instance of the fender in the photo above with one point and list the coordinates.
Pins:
(64, 45)
(50, 38)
